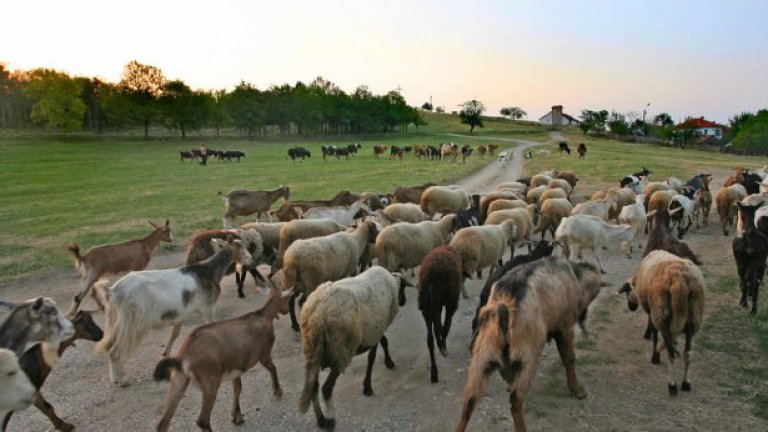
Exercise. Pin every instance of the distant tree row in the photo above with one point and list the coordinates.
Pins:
(144, 98)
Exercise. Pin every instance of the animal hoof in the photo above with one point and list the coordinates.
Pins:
(368, 391)
(240, 294)
(686, 386)
(753, 311)
(579, 393)
(672, 389)
(279, 393)
(295, 327)
(326, 423)
(444, 352)
(433, 378)
(238, 419)
(389, 364)
(66, 427)
(647, 336)
(121, 383)
(656, 359)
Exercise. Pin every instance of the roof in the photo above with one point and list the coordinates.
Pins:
(565, 116)
(697, 123)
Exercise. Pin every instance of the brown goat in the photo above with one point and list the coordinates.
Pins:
(492, 149)
(528, 306)
(244, 202)
(112, 259)
(209, 357)
(287, 213)
(411, 194)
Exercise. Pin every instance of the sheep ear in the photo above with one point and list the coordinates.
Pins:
(626, 288)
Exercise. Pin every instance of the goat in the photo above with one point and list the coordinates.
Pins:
(38, 362)
(564, 148)
(244, 203)
(36, 320)
(671, 291)
(143, 300)
(750, 252)
(209, 357)
(600, 208)
(582, 150)
(411, 194)
(590, 232)
(492, 149)
(528, 306)
(16, 391)
(287, 211)
(115, 258)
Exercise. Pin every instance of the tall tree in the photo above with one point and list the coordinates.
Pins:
(753, 132)
(183, 108)
(472, 114)
(663, 120)
(142, 85)
(515, 113)
(593, 121)
(56, 100)
(618, 124)
(736, 123)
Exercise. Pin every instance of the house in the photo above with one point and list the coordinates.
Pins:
(558, 117)
(703, 127)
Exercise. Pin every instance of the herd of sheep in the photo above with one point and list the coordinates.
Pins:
(345, 261)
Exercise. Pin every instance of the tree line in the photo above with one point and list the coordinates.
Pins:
(46, 98)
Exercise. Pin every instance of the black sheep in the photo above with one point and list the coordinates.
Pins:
(750, 251)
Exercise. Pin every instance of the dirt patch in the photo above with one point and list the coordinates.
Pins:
(626, 392)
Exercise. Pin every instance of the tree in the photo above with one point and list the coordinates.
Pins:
(426, 106)
(618, 124)
(736, 123)
(515, 113)
(471, 114)
(182, 108)
(593, 121)
(244, 106)
(753, 132)
(142, 85)
(440, 110)
(663, 120)
(56, 100)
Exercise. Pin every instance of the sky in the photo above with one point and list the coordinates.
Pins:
(683, 57)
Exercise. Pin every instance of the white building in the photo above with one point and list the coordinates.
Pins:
(558, 117)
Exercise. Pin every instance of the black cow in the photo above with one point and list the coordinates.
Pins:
(328, 150)
(341, 151)
(229, 154)
(353, 148)
(564, 148)
(298, 152)
(186, 154)
(434, 152)
(582, 150)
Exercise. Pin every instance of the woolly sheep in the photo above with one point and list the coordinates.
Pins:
(512, 187)
(504, 204)
(403, 212)
(444, 199)
(483, 246)
(489, 198)
(310, 262)
(552, 212)
(524, 221)
(726, 200)
(341, 320)
(532, 197)
(590, 232)
(671, 291)
(562, 184)
(551, 193)
(304, 229)
(404, 245)
(569, 177)
(540, 180)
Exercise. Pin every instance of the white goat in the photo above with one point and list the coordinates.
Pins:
(599, 208)
(590, 232)
(344, 215)
(634, 215)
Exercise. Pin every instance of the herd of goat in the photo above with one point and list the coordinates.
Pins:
(344, 261)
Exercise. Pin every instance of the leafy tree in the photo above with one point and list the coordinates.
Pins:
(736, 123)
(417, 119)
(753, 132)
(142, 84)
(515, 113)
(426, 106)
(663, 120)
(183, 108)
(244, 106)
(471, 114)
(440, 110)
(618, 124)
(217, 114)
(56, 100)
(593, 121)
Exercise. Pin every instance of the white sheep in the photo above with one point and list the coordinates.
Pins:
(635, 216)
(533, 194)
(344, 215)
(591, 232)
(512, 187)
(401, 212)
(562, 184)
(341, 320)
(304, 229)
(540, 180)
(309, 262)
(483, 246)
(404, 245)
(524, 221)
(600, 208)
(552, 192)
(504, 204)
(444, 199)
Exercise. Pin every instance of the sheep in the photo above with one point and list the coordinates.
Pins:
(534, 193)
(270, 235)
(401, 212)
(599, 208)
(550, 194)
(652, 187)
(143, 300)
(200, 248)
(635, 216)
(703, 199)
(569, 177)
(671, 291)
(750, 252)
(209, 357)
(540, 180)
(304, 229)
(524, 221)
(483, 246)
(405, 245)
(309, 262)
(504, 158)
(344, 215)
(492, 149)
(544, 152)
(287, 211)
(16, 391)
(726, 200)
(109, 259)
(626, 196)
(489, 198)
(505, 204)
(543, 249)
(411, 194)
(36, 320)
(443, 199)
(683, 219)
(340, 320)
(440, 282)
(675, 184)
(529, 305)
(552, 212)
(658, 200)
(245, 202)
(562, 184)
(590, 232)
(38, 362)
(514, 186)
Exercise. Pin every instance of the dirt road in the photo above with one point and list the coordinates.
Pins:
(625, 391)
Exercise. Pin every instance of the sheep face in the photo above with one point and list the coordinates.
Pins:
(632, 302)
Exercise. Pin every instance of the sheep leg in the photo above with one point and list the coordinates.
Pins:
(328, 385)
(655, 356)
(564, 341)
(367, 389)
(387, 359)
(240, 282)
(174, 334)
(276, 389)
(237, 388)
(431, 347)
(292, 310)
(686, 385)
(209, 386)
(597, 258)
(47, 409)
(648, 330)
(447, 327)
(176, 389)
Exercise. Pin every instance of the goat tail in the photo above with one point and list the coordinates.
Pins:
(74, 249)
(124, 330)
(666, 320)
(165, 367)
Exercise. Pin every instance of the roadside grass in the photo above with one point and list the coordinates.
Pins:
(447, 123)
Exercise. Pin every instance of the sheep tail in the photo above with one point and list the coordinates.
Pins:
(314, 349)
(666, 322)
(164, 368)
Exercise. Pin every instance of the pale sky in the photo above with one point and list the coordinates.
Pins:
(699, 58)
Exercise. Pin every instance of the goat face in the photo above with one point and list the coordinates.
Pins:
(86, 328)
(43, 310)
(632, 302)
(165, 231)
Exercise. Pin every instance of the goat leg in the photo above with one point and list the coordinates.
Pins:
(237, 388)
(430, 346)
(174, 334)
(47, 409)
(209, 386)
(276, 389)
(176, 389)
(564, 341)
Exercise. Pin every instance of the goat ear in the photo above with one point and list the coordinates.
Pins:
(167, 223)
(37, 305)
(626, 288)
(152, 224)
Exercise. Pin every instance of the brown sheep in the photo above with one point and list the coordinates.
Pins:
(726, 200)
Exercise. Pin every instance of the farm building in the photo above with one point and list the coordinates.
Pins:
(558, 117)
(703, 127)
